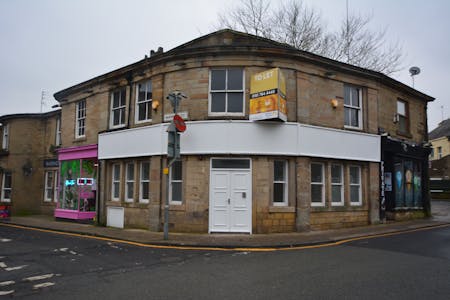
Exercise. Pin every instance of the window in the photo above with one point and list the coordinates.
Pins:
(337, 185)
(6, 187)
(50, 186)
(80, 119)
(439, 152)
(58, 132)
(402, 115)
(226, 92)
(129, 183)
(352, 107)
(115, 187)
(355, 185)
(144, 182)
(118, 105)
(176, 182)
(280, 185)
(5, 137)
(144, 102)
(317, 185)
(431, 154)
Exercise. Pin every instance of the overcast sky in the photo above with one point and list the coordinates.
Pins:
(49, 45)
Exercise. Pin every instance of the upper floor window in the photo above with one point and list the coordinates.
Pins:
(353, 107)
(5, 137)
(226, 92)
(80, 120)
(144, 102)
(118, 105)
(402, 116)
(280, 185)
(58, 132)
(6, 186)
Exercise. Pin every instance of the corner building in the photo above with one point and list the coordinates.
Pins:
(319, 169)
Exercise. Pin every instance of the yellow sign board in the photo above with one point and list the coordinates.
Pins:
(268, 96)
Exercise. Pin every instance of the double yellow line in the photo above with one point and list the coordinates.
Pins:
(239, 249)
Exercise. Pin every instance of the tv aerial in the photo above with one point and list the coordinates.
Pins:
(414, 71)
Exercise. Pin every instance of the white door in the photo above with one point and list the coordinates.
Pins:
(230, 201)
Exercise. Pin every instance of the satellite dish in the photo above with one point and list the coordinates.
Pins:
(414, 71)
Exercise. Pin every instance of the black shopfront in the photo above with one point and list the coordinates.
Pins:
(404, 178)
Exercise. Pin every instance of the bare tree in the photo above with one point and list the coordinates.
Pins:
(302, 27)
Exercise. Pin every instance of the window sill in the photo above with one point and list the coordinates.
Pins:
(353, 128)
(177, 207)
(80, 139)
(404, 134)
(281, 209)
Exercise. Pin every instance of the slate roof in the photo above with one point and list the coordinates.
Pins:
(442, 130)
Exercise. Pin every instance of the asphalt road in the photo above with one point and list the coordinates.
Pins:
(37, 265)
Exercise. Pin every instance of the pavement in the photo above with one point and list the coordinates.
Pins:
(440, 217)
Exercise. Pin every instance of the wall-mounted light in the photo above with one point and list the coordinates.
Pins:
(155, 104)
(334, 103)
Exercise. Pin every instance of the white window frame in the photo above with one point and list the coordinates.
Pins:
(53, 188)
(142, 181)
(58, 132)
(3, 199)
(147, 102)
(404, 115)
(352, 107)
(121, 108)
(341, 184)
(5, 137)
(226, 91)
(115, 181)
(80, 117)
(129, 181)
(284, 182)
(171, 181)
(322, 183)
(359, 203)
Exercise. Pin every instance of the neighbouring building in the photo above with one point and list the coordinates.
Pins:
(277, 140)
(28, 162)
(440, 160)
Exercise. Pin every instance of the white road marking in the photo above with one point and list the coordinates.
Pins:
(2, 265)
(63, 249)
(73, 252)
(39, 277)
(4, 293)
(15, 268)
(5, 283)
(43, 285)
(5, 240)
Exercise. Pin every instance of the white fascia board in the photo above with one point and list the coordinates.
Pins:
(243, 137)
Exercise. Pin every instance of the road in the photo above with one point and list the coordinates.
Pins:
(39, 265)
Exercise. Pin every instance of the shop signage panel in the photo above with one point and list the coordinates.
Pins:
(51, 163)
(268, 96)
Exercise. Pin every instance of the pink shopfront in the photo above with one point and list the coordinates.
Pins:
(78, 168)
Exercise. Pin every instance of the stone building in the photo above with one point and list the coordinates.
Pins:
(440, 160)
(307, 156)
(28, 162)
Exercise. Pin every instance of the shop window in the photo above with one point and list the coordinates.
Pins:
(355, 185)
(58, 132)
(115, 185)
(226, 92)
(6, 187)
(5, 137)
(280, 183)
(129, 182)
(80, 120)
(317, 185)
(176, 183)
(337, 185)
(144, 182)
(352, 107)
(144, 102)
(118, 106)
(50, 193)
(402, 116)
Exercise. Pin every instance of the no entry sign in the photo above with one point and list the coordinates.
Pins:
(179, 123)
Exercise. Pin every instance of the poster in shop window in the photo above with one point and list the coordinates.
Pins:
(268, 96)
